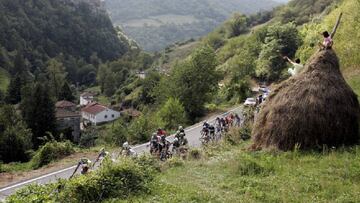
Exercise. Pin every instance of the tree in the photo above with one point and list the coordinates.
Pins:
(101, 76)
(19, 64)
(172, 114)
(270, 63)
(15, 137)
(13, 95)
(148, 85)
(236, 25)
(281, 40)
(66, 93)
(140, 129)
(38, 111)
(194, 81)
(118, 133)
(109, 85)
(57, 76)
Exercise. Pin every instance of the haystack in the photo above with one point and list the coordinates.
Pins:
(312, 109)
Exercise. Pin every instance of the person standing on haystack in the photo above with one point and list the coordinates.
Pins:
(328, 41)
(328, 38)
(297, 66)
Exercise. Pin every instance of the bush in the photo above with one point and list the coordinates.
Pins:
(117, 134)
(34, 193)
(51, 151)
(211, 107)
(237, 135)
(172, 114)
(112, 180)
(195, 153)
(148, 162)
(140, 130)
(248, 167)
(121, 180)
(175, 162)
(88, 138)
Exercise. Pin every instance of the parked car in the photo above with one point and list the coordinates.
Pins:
(265, 95)
(264, 89)
(250, 102)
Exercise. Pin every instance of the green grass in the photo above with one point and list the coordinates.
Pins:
(16, 167)
(236, 175)
(4, 79)
(93, 89)
(354, 82)
(104, 100)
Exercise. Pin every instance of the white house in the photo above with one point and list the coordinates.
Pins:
(86, 98)
(141, 74)
(97, 113)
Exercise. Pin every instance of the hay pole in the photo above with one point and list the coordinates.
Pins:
(336, 26)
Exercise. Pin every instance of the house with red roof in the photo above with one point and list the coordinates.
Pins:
(97, 113)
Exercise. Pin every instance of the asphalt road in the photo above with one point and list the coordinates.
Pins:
(192, 134)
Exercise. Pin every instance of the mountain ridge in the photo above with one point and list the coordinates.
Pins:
(155, 24)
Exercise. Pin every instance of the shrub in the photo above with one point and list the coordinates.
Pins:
(119, 180)
(34, 193)
(237, 135)
(117, 134)
(88, 138)
(148, 162)
(195, 153)
(172, 114)
(211, 107)
(140, 129)
(175, 162)
(248, 167)
(51, 151)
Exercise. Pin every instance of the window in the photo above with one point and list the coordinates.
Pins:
(105, 116)
(112, 115)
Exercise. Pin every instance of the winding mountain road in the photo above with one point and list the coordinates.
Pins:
(192, 134)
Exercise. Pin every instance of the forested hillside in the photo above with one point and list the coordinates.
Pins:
(49, 51)
(37, 30)
(246, 52)
(154, 24)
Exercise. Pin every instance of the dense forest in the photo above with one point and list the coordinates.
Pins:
(50, 50)
(80, 36)
(155, 24)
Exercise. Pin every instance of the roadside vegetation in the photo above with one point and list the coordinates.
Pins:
(232, 174)
(220, 172)
(218, 72)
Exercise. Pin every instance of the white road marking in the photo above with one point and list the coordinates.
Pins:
(35, 179)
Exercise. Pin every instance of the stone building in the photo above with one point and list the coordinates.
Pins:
(68, 120)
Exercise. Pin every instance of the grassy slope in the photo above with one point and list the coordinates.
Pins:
(4, 79)
(346, 41)
(235, 175)
(176, 53)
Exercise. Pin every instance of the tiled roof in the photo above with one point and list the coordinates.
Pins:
(64, 104)
(94, 108)
(62, 113)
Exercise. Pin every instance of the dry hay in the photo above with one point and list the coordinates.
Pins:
(312, 109)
